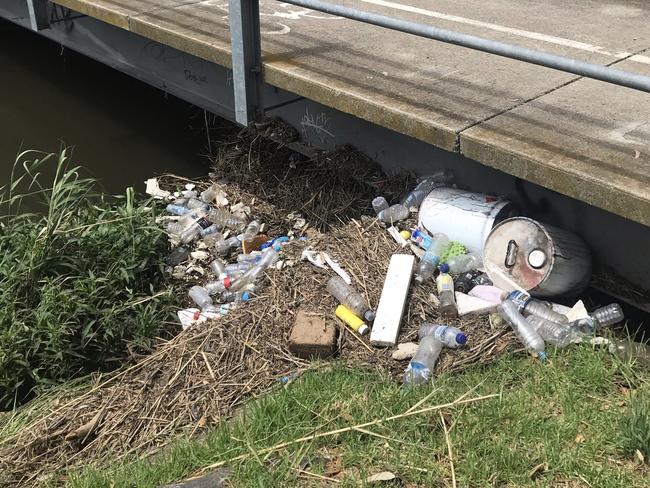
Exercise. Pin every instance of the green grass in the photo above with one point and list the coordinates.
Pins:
(81, 281)
(564, 417)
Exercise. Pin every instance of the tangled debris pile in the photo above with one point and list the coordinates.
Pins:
(322, 206)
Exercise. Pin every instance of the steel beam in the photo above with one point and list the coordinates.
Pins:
(38, 14)
(561, 63)
(246, 59)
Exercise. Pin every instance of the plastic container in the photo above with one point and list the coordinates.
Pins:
(252, 229)
(269, 258)
(529, 306)
(394, 213)
(426, 186)
(449, 336)
(175, 209)
(349, 297)
(559, 335)
(201, 297)
(420, 369)
(218, 267)
(223, 247)
(235, 296)
(195, 229)
(208, 195)
(463, 263)
(351, 319)
(195, 204)
(218, 286)
(464, 216)
(488, 293)
(421, 238)
(445, 286)
(253, 257)
(223, 218)
(631, 351)
(528, 336)
(607, 316)
(429, 262)
(540, 259)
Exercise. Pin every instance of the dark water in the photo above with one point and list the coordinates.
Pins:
(123, 131)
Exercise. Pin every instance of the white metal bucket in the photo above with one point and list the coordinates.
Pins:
(464, 216)
(545, 261)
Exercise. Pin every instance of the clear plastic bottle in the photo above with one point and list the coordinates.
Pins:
(608, 315)
(530, 306)
(379, 204)
(420, 369)
(394, 213)
(208, 195)
(449, 336)
(252, 229)
(429, 262)
(239, 266)
(445, 286)
(218, 267)
(253, 257)
(224, 246)
(194, 204)
(175, 209)
(349, 297)
(426, 186)
(553, 333)
(631, 351)
(200, 296)
(218, 286)
(269, 258)
(235, 296)
(531, 340)
(223, 218)
(463, 263)
(195, 229)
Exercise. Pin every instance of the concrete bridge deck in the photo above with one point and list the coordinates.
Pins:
(583, 138)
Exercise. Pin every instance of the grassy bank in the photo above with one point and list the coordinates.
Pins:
(81, 282)
(580, 419)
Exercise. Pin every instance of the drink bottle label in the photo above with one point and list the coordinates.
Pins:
(203, 223)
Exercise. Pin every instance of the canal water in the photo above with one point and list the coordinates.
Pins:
(121, 130)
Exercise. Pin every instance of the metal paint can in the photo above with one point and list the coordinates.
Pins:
(464, 216)
(543, 260)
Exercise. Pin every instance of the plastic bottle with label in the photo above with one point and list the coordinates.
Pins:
(530, 306)
(201, 226)
(429, 262)
(528, 336)
(553, 333)
(349, 297)
(450, 337)
(420, 369)
(445, 286)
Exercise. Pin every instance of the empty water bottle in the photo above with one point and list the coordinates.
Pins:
(449, 336)
(463, 263)
(269, 258)
(253, 257)
(530, 306)
(223, 218)
(196, 228)
(235, 296)
(239, 266)
(608, 315)
(218, 286)
(559, 335)
(218, 267)
(429, 262)
(200, 296)
(528, 336)
(445, 286)
(420, 369)
(224, 246)
(426, 186)
(252, 229)
(208, 195)
(349, 297)
(176, 209)
(394, 213)
(631, 351)
(379, 204)
(194, 203)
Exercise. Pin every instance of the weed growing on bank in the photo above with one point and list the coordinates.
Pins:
(81, 283)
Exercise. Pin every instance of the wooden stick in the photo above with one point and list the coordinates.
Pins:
(451, 457)
(348, 429)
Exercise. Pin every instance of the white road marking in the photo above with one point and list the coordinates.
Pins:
(560, 41)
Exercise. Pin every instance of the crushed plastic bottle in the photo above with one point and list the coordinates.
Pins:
(394, 213)
(224, 246)
(177, 209)
(201, 297)
(253, 257)
(195, 204)
(218, 286)
(420, 368)
(239, 266)
(426, 186)
(235, 296)
(208, 195)
(429, 262)
(531, 340)
(349, 297)
(269, 258)
(379, 204)
(445, 286)
(552, 332)
(218, 267)
(463, 263)
(530, 306)
(450, 337)
(631, 351)
(223, 218)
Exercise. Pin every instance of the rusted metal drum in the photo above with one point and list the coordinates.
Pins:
(521, 253)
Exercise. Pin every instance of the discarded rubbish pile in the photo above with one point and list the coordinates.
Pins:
(273, 283)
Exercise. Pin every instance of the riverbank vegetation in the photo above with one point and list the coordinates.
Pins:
(81, 282)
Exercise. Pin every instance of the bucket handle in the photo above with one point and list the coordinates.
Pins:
(511, 254)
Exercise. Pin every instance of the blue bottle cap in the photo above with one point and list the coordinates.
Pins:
(444, 268)
(461, 338)
(245, 296)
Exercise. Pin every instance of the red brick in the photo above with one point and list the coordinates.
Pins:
(312, 336)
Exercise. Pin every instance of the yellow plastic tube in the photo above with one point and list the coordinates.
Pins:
(351, 320)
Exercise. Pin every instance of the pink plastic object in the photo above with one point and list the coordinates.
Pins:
(489, 293)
